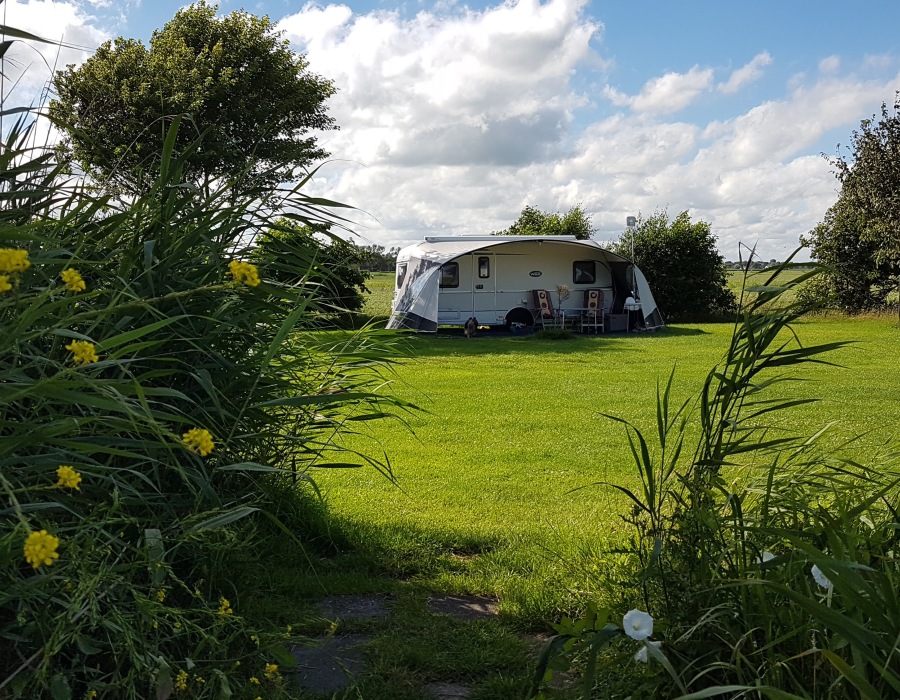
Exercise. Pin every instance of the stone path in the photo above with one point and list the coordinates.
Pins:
(331, 664)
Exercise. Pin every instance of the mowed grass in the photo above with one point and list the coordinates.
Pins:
(499, 481)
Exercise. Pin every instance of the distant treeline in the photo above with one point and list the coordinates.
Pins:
(377, 258)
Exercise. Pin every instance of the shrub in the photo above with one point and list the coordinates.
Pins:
(152, 381)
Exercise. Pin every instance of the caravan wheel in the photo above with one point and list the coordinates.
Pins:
(519, 316)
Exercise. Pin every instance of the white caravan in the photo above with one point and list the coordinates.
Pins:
(445, 280)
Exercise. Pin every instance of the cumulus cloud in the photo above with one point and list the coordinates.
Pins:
(471, 87)
(29, 64)
(746, 74)
(672, 92)
(830, 64)
(455, 121)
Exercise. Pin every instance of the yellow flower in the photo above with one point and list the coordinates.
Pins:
(254, 680)
(40, 548)
(160, 596)
(199, 679)
(73, 280)
(181, 681)
(244, 272)
(14, 260)
(177, 625)
(5, 286)
(90, 695)
(83, 352)
(271, 671)
(68, 477)
(254, 638)
(199, 440)
(156, 624)
(225, 607)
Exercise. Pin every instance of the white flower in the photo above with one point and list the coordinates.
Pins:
(637, 624)
(643, 654)
(764, 557)
(821, 578)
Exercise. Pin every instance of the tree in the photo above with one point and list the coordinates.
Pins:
(685, 271)
(534, 222)
(859, 238)
(378, 259)
(311, 255)
(236, 79)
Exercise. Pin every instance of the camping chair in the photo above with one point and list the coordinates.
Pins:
(592, 318)
(544, 311)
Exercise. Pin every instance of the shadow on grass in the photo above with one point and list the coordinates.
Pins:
(453, 342)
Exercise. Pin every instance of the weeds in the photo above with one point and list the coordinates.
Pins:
(769, 567)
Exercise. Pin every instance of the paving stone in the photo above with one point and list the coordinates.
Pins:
(342, 607)
(447, 691)
(466, 607)
(331, 665)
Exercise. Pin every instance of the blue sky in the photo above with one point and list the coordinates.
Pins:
(453, 116)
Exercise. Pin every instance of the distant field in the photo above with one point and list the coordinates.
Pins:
(513, 429)
(381, 286)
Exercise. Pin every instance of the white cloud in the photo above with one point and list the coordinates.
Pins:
(830, 64)
(473, 87)
(29, 64)
(746, 74)
(672, 92)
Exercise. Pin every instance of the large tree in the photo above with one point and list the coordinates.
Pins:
(240, 85)
(534, 222)
(859, 238)
(687, 274)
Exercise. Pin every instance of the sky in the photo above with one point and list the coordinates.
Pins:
(454, 116)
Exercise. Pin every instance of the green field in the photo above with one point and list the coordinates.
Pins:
(490, 496)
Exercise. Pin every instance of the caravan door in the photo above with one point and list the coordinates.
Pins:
(484, 289)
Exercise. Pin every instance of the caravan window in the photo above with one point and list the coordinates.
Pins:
(584, 272)
(401, 274)
(484, 267)
(449, 275)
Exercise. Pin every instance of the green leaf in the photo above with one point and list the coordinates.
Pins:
(223, 519)
(59, 688)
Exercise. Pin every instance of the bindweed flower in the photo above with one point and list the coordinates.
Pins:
(68, 477)
(199, 440)
(5, 284)
(764, 557)
(14, 260)
(821, 578)
(642, 654)
(244, 272)
(40, 548)
(637, 624)
(73, 280)
(83, 352)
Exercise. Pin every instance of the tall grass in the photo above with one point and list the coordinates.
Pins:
(158, 393)
(768, 564)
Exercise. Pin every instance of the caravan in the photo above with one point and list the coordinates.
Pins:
(445, 280)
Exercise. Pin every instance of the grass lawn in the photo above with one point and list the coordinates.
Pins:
(498, 489)
(487, 499)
